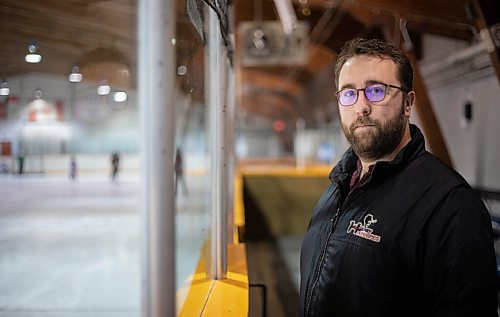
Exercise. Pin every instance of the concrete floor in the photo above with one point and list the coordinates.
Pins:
(72, 248)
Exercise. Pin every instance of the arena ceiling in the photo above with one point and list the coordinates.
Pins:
(103, 33)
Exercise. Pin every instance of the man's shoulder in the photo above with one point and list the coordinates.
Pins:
(429, 171)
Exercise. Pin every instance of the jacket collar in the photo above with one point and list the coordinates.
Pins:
(347, 164)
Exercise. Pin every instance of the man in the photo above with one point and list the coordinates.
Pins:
(397, 232)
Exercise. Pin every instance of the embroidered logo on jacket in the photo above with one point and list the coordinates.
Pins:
(363, 230)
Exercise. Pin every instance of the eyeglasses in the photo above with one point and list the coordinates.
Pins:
(374, 93)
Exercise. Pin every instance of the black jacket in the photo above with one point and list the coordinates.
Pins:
(414, 240)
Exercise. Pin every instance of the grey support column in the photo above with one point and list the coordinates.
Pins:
(156, 104)
(231, 160)
(216, 83)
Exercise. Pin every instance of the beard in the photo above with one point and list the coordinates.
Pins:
(378, 141)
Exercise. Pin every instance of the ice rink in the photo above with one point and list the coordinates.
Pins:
(73, 248)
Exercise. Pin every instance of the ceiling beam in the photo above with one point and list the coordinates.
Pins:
(425, 112)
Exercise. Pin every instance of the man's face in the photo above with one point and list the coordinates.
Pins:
(374, 129)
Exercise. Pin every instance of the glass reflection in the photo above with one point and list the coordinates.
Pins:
(191, 157)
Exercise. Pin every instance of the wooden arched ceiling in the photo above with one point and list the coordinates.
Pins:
(68, 31)
(64, 32)
(73, 32)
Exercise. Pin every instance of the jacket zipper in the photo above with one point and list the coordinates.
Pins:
(334, 221)
(317, 271)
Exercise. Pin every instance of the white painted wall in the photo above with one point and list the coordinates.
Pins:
(474, 146)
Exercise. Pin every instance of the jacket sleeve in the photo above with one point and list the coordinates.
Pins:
(459, 265)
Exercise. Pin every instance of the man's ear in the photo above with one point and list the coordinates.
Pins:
(409, 102)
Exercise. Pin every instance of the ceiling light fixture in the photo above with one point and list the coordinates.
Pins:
(103, 88)
(38, 94)
(119, 101)
(4, 91)
(75, 76)
(120, 96)
(33, 57)
(181, 70)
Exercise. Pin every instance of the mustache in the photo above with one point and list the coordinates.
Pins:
(363, 121)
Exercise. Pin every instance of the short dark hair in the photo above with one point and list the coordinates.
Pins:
(376, 47)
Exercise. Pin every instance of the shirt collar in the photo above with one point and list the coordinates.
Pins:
(356, 179)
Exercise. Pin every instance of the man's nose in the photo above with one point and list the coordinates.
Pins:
(362, 105)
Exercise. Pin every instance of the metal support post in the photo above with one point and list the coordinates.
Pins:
(216, 82)
(156, 103)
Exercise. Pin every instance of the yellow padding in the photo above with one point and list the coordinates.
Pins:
(239, 209)
(291, 171)
(226, 297)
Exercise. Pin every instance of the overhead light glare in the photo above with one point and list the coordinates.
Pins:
(33, 57)
(4, 90)
(103, 89)
(75, 76)
(120, 96)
